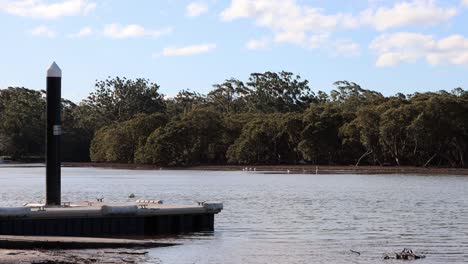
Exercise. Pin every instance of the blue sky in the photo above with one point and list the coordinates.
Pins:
(388, 46)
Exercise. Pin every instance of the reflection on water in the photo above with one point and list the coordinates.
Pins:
(270, 218)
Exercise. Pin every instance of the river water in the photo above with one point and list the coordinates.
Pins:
(283, 218)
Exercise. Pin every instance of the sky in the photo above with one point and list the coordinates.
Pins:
(388, 46)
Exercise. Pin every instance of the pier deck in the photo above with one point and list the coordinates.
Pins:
(104, 219)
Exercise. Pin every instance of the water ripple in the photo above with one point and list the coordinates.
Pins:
(273, 218)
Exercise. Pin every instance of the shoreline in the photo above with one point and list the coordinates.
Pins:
(294, 169)
(83, 256)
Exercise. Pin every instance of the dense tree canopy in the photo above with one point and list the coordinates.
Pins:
(272, 118)
(22, 122)
(119, 99)
(124, 142)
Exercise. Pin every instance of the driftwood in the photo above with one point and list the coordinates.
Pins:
(406, 254)
(126, 253)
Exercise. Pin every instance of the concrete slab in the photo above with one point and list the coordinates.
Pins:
(107, 219)
(95, 208)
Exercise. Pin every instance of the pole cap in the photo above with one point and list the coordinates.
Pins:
(54, 71)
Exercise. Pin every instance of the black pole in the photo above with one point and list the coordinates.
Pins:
(54, 131)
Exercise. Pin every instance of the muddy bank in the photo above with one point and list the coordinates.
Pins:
(75, 256)
(57, 242)
(306, 169)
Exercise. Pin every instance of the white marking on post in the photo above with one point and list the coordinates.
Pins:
(54, 71)
(57, 130)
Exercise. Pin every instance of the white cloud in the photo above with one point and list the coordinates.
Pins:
(347, 48)
(340, 47)
(84, 32)
(118, 31)
(289, 21)
(465, 2)
(43, 31)
(393, 49)
(188, 50)
(196, 9)
(42, 10)
(257, 44)
(319, 40)
(415, 13)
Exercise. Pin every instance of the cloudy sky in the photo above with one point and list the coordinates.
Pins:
(388, 46)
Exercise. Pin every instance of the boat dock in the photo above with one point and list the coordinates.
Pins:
(103, 219)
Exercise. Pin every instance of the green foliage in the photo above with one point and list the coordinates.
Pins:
(278, 92)
(119, 99)
(267, 92)
(363, 131)
(273, 118)
(229, 97)
(256, 144)
(440, 128)
(124, 142)
(394, 133)
(75, 135)
(184, 102)
(321, 142)
(22, 122)
(193, 140)
(114, 100)
(268, 139)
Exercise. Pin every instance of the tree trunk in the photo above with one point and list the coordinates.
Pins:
(460, 154)
(363, 156)
(428, 161)
(397, 161)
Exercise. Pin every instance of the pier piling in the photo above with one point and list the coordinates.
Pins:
(53, 131)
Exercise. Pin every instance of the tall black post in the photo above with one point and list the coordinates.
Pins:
(54, 131)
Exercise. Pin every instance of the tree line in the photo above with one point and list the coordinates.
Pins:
(272, 118)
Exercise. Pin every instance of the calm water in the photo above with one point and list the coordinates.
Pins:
(271, 218)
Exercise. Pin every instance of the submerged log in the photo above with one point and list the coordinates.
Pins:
(406, 254)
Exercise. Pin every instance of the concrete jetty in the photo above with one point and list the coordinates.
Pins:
(106, 219)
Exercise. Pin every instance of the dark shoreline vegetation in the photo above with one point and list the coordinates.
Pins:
(283, 169)
(272, 119)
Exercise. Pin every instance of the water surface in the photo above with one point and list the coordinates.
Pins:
(279, 218)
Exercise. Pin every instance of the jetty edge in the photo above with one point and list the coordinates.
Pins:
(95, 218)
(105, 219)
